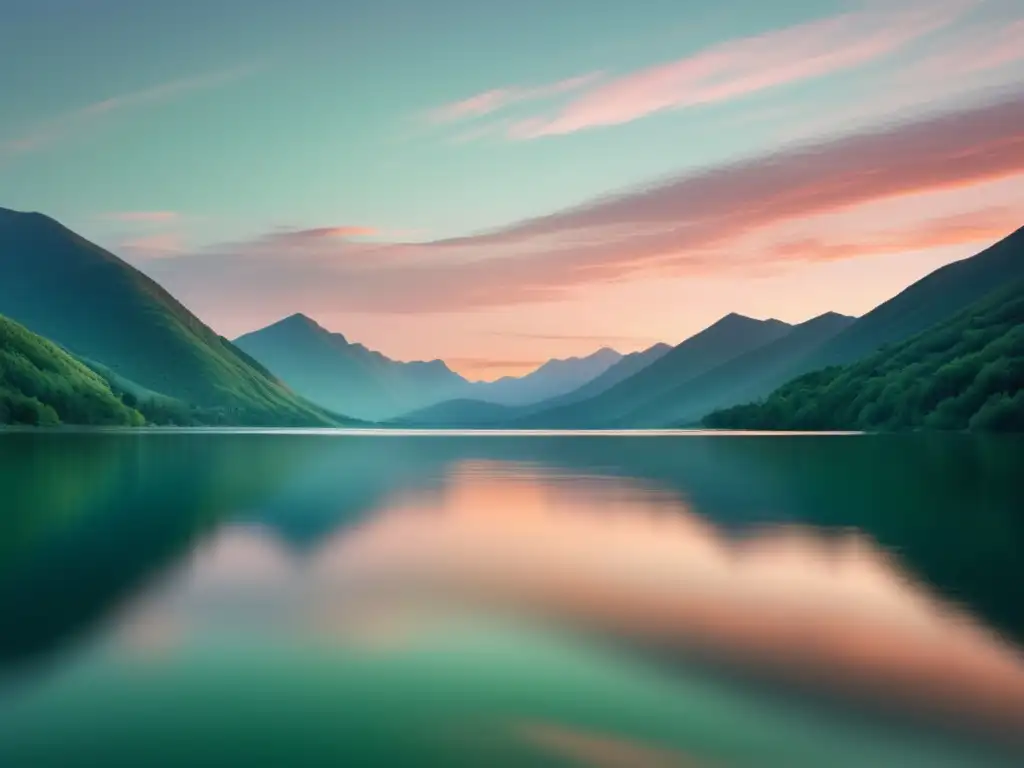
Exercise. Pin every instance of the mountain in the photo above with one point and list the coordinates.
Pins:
(963, 373)
(107, 313)
(330, 370)
(554, 378)
(730, 337)
(936, 297)
(740, 380)
(41, 384)
(467, 412)
(628, 366)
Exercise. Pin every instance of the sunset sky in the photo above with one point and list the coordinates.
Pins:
(496, 183)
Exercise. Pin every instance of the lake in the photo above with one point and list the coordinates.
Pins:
(319, 598)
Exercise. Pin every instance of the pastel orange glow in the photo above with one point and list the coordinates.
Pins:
(649, 571)
(748, 236)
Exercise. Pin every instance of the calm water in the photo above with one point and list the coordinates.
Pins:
(214, 599)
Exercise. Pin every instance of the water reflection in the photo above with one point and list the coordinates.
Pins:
(605, 601)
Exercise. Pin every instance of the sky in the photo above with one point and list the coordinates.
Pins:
(497, 183)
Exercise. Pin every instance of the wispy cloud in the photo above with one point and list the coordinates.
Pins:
(596, 339)
(983, 47)
(306, 236)
(477, 367)
(491, 101)
(70, 123)
(145, 217)
(697, 225)
(983, 225)
(160, 245)
(745, 66)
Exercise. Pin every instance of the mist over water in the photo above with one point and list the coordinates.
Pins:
(310, 599)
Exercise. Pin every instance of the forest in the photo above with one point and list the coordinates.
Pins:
(963, 374)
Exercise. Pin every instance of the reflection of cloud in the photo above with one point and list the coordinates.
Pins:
(601, 750)
(620, 560)
(611, 557)
(242, 556)
(698, 225)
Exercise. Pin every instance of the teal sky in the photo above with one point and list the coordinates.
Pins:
(260, 158)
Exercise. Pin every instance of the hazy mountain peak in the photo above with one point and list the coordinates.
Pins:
(299, 319)
(833, 316)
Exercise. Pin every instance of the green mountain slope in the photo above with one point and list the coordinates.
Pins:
(934, 298)
(730, 337)
(740, 380)
(99, 308)
(41, 384)
(964, 373)
(337, 374)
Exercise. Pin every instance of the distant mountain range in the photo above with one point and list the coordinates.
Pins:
(326, 368)
(469, 412)
(92, 340)
(107, 313)
(739, 359)
(731, 336)
(347, 377)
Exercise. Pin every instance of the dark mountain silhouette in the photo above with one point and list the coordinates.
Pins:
(104, 311)
(740, 380)
(340, 375)
(728, 338)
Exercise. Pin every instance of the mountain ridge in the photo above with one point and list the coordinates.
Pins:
(93, 304)
(729, 336)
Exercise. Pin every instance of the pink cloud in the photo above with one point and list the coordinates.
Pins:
(697, 225)
(58, 128)
(317, 235)
(499, 98)
(745, 66)
(985, 47)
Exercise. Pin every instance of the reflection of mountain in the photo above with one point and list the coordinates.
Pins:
(128, 506)
(102, 515)
(908, 493)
